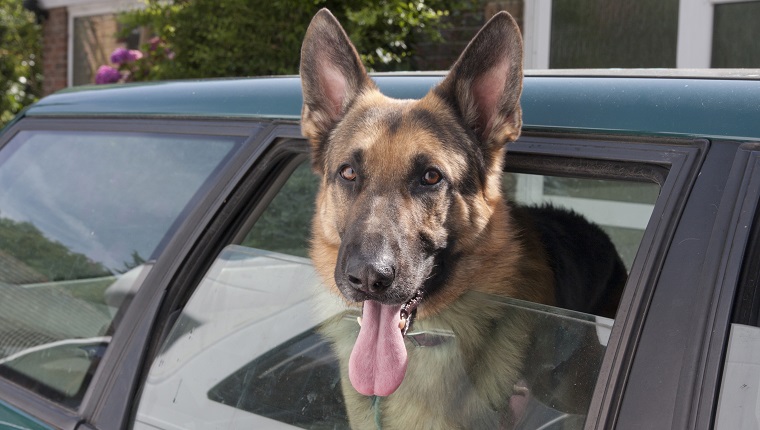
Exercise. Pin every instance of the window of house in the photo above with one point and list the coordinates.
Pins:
(735, 35)
(254, 346)
(93, 42)
(616, 33)
(694, 34)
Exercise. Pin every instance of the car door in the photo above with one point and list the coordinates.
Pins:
(89, 209)
(675, 375)
(238, 340)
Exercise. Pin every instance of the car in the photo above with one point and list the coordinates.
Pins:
(154, 269)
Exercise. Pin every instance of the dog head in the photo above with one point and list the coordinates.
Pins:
(407, 186)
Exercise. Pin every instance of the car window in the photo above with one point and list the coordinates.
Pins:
(621, 208)
(285, 225)
(82, 217)
(255, 344)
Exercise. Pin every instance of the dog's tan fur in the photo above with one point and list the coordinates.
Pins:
(461, 384)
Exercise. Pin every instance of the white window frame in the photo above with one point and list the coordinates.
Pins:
(537, 20)
(695, 32)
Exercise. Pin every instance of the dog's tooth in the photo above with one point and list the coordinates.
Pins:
(402, 323)
(359, 320)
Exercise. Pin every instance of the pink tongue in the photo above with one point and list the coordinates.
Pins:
(378, 361)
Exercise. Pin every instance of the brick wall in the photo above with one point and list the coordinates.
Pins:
(463, 25)
(55, 50)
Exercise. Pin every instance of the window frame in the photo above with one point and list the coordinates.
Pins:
(694, 42)
(682, 344)
(173, 278)
(55, 414)
(695, 32)
(681, 158)
(673, 162)
(735, 297)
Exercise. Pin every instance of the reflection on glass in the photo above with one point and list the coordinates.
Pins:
(285, 226)
(261, 343)
(82, 214)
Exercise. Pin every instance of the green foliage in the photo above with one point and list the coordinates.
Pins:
(25, 242)
(385, 32)
(263, 37)
(20, 54)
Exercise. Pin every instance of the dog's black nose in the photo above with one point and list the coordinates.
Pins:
(371, 277)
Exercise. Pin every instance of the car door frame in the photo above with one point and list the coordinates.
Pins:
(151, 314)
(558, 152)
(251, 134)
(693, 299)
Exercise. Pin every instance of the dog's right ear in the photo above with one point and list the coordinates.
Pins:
(485, 83)
(332, 75)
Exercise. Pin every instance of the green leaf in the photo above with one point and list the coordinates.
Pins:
(263, 37)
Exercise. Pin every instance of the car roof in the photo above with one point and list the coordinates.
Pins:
(723, 103)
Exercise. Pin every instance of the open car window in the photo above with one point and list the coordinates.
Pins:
(254, 346)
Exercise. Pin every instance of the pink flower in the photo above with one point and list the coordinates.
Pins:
(107, 75)
(124, 55)
(154, 42)
(135, 54)
(120, 55)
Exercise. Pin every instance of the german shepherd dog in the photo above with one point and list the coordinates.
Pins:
(411, 226)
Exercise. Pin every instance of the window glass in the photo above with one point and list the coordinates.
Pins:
(613, 33)
(621, 208)
(735, 35)
(82, 216)
(284, 227)
(739, 389)
(251, 350)
(255, 346)
(93, 43)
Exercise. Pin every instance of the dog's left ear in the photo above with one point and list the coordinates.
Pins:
(486, 82)
(332, 75)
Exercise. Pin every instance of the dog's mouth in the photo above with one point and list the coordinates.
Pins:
(378, 361)
(409, 312)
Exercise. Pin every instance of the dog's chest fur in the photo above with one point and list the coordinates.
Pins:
(456, 381)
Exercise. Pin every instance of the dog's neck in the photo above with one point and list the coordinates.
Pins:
(499, 261)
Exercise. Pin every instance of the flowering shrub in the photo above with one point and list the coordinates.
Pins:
(129, 65)
(123, 55)
(107, 75)
(215, 38)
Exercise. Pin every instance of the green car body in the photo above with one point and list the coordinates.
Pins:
(676, 104)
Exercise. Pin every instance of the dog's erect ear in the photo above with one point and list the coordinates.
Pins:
(485, 83)
(332, 75)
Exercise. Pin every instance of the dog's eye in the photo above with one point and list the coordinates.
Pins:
(431, 177)
(348, 173)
